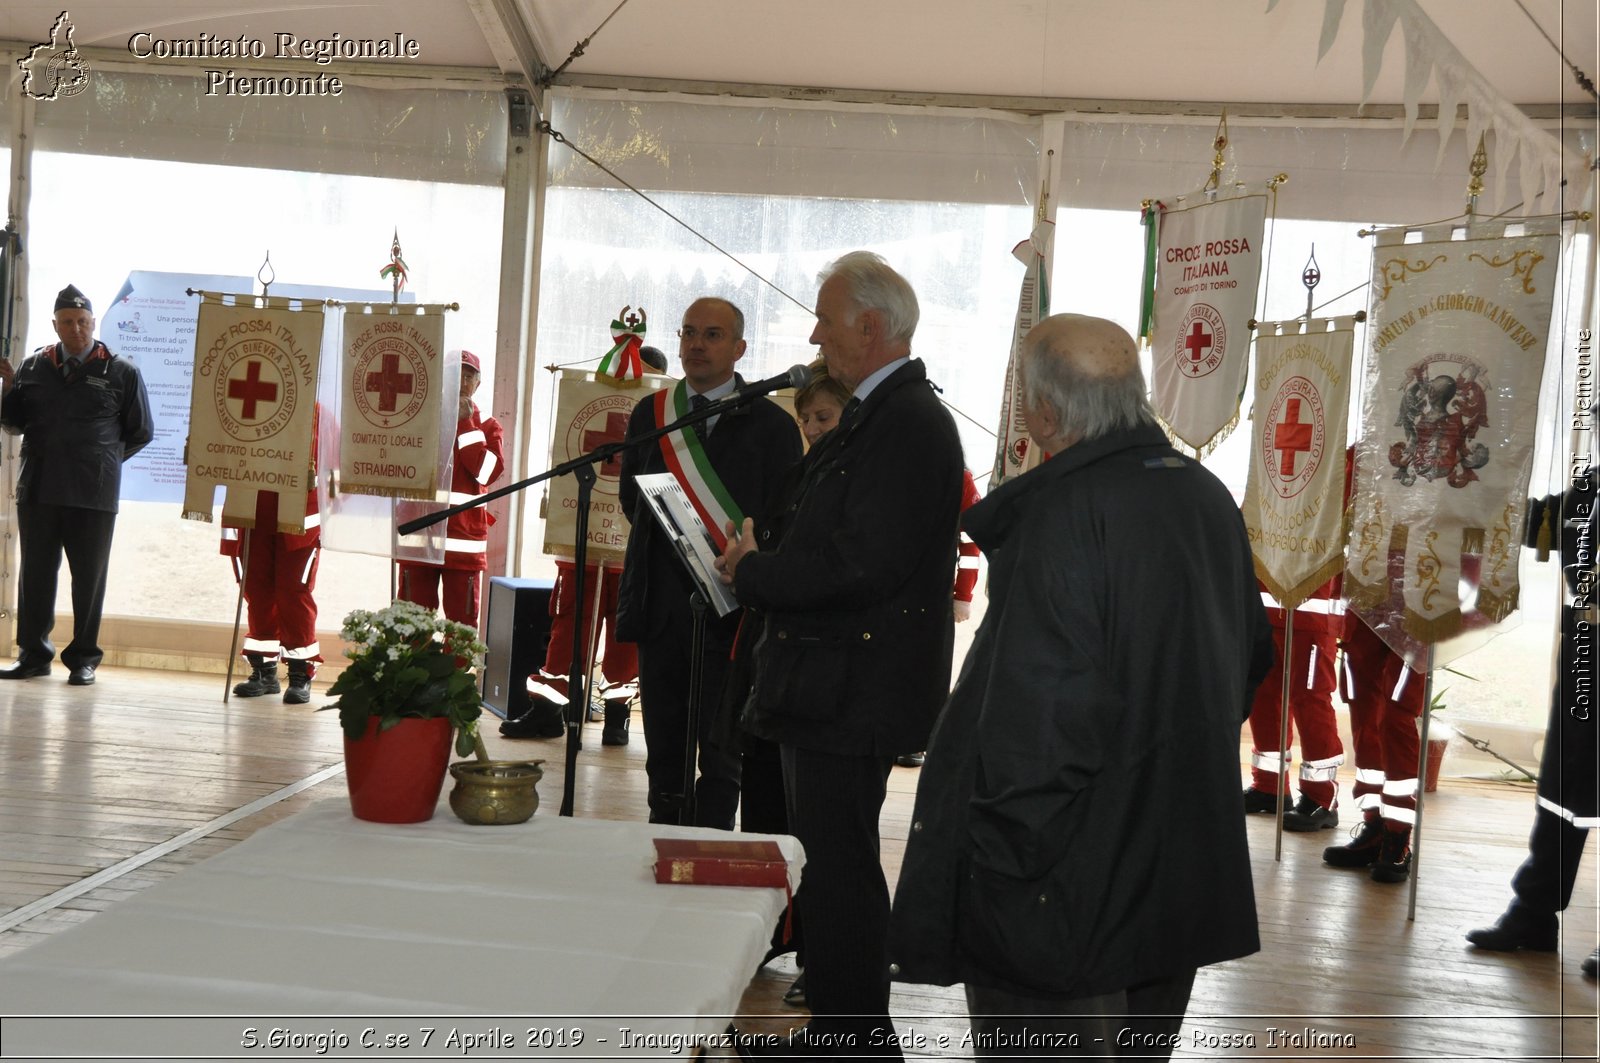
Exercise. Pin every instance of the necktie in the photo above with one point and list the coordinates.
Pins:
(70, 367)
(698, 402)
(850, 409)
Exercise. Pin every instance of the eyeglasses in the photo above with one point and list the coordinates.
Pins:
(711, 335)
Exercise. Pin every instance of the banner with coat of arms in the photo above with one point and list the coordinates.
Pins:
(394, 400)
(1456, 350)
(591, 411)
(1294, 497)
(1207, 266)
(252, 410)
(1015, 450)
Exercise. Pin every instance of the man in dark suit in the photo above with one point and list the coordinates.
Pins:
(81, 412)
(738, 456)
(855, 659)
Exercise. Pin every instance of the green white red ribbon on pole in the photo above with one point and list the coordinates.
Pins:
(622, 361)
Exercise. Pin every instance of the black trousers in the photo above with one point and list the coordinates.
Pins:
(1543, 884)
(664, 703)
(84, 535)
(834, 803)
(1140, 1022)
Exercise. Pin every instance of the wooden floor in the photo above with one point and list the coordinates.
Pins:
(108, 789)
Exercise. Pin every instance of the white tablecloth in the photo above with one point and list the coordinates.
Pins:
(326, 915)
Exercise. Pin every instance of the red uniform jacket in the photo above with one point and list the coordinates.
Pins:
(478, 463)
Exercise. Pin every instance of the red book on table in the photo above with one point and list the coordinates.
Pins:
(731, 862)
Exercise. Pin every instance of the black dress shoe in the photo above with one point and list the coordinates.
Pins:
(1591, 965)
(25, 670)
(795, 995)
(1518, 929)
(910, 760)
(81, 676)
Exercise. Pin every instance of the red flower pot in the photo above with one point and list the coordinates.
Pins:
(395, 776)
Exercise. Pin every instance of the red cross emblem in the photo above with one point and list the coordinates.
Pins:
(251, 390)
(615, 430)
(1290, 437)
(389, 383)
(1197, 341)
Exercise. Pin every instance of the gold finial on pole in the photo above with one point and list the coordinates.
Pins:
(1477, 168)
(1219, 148)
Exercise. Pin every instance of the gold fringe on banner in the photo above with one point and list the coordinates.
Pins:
(1291, 597)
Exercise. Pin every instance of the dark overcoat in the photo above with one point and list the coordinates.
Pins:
(78, 430)
(854, 658)
(1077, 827)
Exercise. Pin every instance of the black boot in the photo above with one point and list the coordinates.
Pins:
(263, 678)
(1362, 848)
(1394, 857)
(615, 732)
(543, 719)
(299, 691)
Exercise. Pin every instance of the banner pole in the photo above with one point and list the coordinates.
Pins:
(238, 610)
(1422, 786)
(1283, 730)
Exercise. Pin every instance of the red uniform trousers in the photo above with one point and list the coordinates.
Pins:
(278, 582)
(619, 667)
(420, 583)
(1312, 681)
(1383, 723)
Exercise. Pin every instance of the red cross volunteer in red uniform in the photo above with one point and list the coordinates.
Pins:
(279, 570)
(478, 463)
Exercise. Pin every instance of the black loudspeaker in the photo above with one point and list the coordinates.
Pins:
(518, 635)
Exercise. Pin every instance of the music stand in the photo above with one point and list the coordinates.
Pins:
(680, 522)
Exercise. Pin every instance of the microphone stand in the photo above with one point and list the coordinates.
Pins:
(582, 469)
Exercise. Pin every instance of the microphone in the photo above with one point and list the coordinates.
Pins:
(796, 376)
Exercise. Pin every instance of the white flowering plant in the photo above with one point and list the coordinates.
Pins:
(408, 661)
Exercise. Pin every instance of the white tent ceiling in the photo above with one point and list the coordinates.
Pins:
(1128, 50)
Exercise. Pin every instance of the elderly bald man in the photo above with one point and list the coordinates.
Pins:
(1076, 848)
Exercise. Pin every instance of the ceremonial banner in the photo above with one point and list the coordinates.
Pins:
(589, 413)
(1455, 353)
(1294, 498)
(393, 401)
(1207, 267)
(1015, 452)
(252, 409)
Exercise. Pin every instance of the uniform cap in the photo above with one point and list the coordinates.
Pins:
(70, 298)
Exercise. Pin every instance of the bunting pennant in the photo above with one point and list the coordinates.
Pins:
(589, 412)
(1015, 452)
(393, 401)
(1294, 497)
(1207, 267)
(252, 409)
(1456, 350)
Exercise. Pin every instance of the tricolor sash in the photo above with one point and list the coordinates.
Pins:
(686, 459)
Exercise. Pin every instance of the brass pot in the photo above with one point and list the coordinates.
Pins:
(495, 791)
